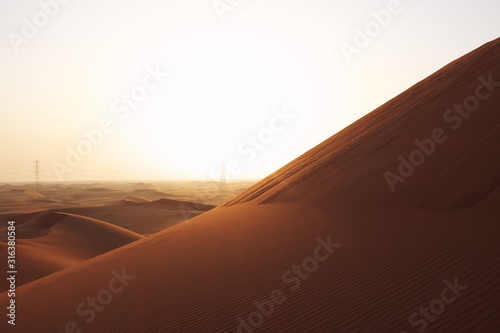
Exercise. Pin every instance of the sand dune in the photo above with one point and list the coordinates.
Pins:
(137, 214)
(145, 217)
(470, 178)
(134, 199)
(34, 195)
(21, 198)
(323, 244)
(357, 157)
(50, 241)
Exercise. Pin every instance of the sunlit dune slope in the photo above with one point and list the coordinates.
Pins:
(349, 167)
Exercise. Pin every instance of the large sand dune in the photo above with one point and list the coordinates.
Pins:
(50, 241)
(348, 167)
(324, 238)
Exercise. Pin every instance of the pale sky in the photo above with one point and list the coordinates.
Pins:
(69, 69)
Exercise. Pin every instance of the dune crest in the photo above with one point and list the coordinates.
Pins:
(134, 199)
(349, 166)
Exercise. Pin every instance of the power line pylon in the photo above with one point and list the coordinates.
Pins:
(223, 179)
(36, 184)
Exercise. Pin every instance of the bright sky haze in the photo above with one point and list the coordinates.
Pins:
(110, 90)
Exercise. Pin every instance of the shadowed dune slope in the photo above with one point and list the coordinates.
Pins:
(50, 241)
(386, 258)
(471, 178)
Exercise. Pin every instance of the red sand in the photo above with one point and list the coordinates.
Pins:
(396, 249)
(48, 242)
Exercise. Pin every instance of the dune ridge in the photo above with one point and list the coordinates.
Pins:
(357, 155)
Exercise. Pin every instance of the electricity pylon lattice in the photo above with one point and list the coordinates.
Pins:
(36, 183)
(223, 179)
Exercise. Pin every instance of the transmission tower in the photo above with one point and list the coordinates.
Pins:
(36, 184)
(223, 175)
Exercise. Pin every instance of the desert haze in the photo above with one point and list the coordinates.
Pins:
(390, 225)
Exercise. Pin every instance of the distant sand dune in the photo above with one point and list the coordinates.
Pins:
(135, 199)
(34, 195)
(134, 213)
(62, 196)
(51, 241)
